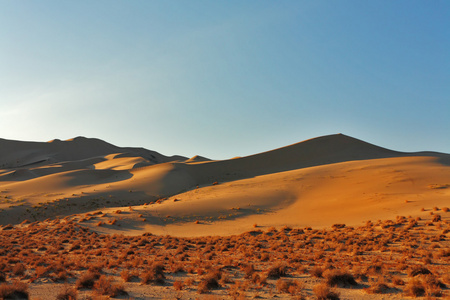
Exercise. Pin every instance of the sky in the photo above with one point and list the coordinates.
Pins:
(226, 78)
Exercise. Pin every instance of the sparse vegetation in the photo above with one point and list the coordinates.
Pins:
(406, 255)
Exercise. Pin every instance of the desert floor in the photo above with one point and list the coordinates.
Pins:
(325, 218)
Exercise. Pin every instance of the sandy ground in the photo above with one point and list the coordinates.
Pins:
(318, 182)
(315, 184)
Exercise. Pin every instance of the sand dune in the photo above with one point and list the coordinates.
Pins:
(317, 182)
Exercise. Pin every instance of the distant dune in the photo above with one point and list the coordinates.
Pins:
(317, 182)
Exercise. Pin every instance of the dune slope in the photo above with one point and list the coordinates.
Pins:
(318, 182)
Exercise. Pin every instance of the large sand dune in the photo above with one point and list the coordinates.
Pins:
(318, 182)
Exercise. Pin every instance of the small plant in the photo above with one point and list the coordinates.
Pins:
(106, 286)
(207, 283)
(419, 270)
(277, 271)
(178, 285)
(67, 293)
(379, 287)
(289, 286)
(17, 290)
(19, 269)
(87, 280)
(155, 275)
(337, 277)
(414, 288)
(323, 292)
(126, 275)
(317, 272)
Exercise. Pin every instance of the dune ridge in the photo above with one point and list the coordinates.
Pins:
(317, 182)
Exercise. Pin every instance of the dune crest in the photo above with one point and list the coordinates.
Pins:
(324, 180)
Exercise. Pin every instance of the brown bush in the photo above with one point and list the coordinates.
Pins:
(419, 270)
(414, 288)
(67, 293)
(87, 280)
(178, 285)
(248, 271)
(323, 292)
(155, 275)
(317, 272)
(289, 286)
(379, 287)
(277, 271)
(17, 290)
(105, 286)
(337, 277)
(436, 218)
(207, 283)
(19, 269)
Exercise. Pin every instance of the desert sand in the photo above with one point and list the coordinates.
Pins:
(316, 184)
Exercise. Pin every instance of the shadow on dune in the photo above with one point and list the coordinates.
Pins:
(315, 152)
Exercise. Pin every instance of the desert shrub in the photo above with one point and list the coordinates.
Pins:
(126, 275)
(374, 269)
(210, 281)
(19, 269)
(414, 288)
(337, 277)
(67, 293)
(178, 285)
(40, 271)
(17, 290)
(248, 271)
(317, 272)
(419, 270)
(397, 280)
(277, 271)
(155, 275)
(289, 286)
(436, 218)
(432, 285)
(323, 292)
(207, 284)
(178, 268)
(105, 286)
(87, 280)
(379, 287)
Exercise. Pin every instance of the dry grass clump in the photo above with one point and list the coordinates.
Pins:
(337, 277)
(422, 285)
(178, 285)
(105, 286)
(323, 292)
(418, 270)
(17, 290)
(414, 288)
(155, 274)
(378, 287)
(19, 269)
(209, 282)
(316, 272)
(277, 271)
(289, 286)
(67, 293)
(87, 280)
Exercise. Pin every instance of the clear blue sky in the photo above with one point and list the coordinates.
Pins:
(226, 78)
